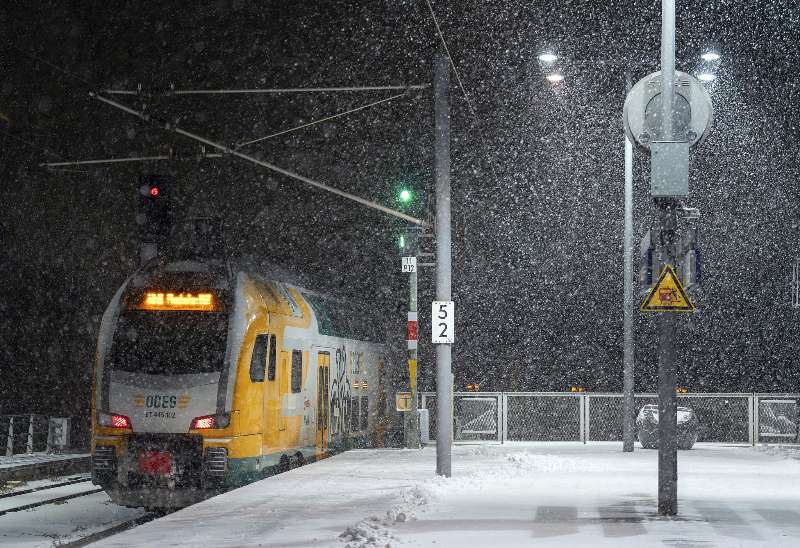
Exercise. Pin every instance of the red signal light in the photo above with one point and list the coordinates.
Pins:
(120, 421)
(154, 191)
(201, 423)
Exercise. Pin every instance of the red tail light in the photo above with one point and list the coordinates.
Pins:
(120, 421)
(203, 422)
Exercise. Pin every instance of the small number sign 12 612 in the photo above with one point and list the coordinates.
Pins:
(442, 322)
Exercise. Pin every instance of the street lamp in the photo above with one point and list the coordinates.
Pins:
(548, 58)
(628, 352)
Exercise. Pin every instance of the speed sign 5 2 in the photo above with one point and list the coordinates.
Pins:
(442, 313)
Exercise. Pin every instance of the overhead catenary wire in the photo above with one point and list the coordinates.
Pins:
(450, 58)
(225, 149)
(119, 160)
(362, 107)
(265, 90)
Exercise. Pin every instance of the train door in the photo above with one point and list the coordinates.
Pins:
(323, 401)
(283, 381)
(272, 396)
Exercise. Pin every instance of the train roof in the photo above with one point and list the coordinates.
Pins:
(336, 317)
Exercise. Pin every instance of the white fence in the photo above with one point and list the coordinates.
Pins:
(566, 416)
(33, 433)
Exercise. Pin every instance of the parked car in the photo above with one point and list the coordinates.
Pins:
(647, 427)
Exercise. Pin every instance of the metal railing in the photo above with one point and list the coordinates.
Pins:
(582, 417)
(32, 433)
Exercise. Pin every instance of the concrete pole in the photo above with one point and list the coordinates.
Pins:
(667, 322)
(29, 444)
(628, 402)
(10, 438)
(444, 378)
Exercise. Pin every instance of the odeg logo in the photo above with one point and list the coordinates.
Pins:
(161, 402)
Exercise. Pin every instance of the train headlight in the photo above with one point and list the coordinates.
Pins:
(220, 420)
(113, 420)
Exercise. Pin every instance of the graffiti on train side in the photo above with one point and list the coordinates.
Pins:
(340, 395)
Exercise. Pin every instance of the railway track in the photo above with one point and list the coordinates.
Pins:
(45, 501)
(42, 513)
(111, 531)
(70, 481)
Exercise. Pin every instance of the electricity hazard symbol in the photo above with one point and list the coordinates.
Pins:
(667, 295)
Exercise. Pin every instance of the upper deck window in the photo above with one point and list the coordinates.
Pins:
(169, 342)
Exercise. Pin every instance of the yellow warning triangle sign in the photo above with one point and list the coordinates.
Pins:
(667, 295)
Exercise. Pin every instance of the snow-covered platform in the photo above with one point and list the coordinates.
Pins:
(553, 494)
(42, 465)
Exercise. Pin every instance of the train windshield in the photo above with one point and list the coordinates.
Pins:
(169, 342)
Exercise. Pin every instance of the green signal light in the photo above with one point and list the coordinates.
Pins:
(402, 242)
(405, 196)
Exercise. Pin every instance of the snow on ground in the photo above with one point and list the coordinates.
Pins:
(60, 523)
(12, 486)
(36, 458)
(546, 494)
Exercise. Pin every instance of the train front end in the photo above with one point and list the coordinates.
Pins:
(159, 409)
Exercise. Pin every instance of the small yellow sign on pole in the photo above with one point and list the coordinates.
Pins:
(403, 401)
(667, 295)
(412, 373)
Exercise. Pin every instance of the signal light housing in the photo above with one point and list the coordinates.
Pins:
(155, 211)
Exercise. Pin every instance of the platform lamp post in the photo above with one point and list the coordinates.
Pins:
(555, 77)
(628, 402)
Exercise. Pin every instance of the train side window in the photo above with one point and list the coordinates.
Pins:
(297, 371)
(258, 360)
(272, 359)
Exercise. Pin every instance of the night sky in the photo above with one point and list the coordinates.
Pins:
(537, 175)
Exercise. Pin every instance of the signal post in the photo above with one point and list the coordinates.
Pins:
(412, 415)
(666, 114)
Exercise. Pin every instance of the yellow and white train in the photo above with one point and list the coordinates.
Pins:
(208, 377)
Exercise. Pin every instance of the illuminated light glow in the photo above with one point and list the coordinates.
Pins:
(555, 78)
(405, 196)
(548, 57)
(201, 423)
(706, 77)
(120, 421)
(710, 56)
(155, 300)
(154, 191)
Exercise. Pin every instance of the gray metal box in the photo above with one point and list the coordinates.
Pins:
(669, 169)
(424, 427)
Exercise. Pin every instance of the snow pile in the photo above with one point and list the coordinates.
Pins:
(781, 450)
(374, 532)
